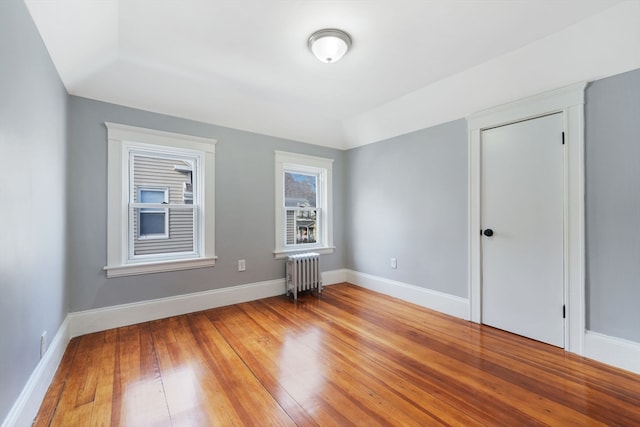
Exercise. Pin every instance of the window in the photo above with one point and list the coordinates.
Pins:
(303, 204)
(153, 223)
(160, 202)
(301, 208)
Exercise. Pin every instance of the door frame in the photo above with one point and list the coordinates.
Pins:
(569, 101)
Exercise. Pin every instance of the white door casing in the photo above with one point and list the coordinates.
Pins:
(570, 102)
(522, 216)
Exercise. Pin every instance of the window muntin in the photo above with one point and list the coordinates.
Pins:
(167, 180)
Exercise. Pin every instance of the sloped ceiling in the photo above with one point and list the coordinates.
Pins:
(245, 63)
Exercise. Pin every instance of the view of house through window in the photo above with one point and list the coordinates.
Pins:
(301, 206)
(303, 202)
(162, 206)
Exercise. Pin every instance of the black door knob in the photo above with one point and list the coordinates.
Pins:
(488, 232)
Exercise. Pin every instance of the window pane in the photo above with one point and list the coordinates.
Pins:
(163, 179)
(301, 227)
(152, 223)
(300, 190)
(152, 196)
(179, 238)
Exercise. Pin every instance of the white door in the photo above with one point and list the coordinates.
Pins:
(522, 224)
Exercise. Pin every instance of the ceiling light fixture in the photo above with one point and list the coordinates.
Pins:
(329, 45)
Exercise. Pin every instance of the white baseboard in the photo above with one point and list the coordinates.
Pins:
(602, 348)
(28, 403)
(334, 277)
(444, 303)
(612, 351)
(89, 321)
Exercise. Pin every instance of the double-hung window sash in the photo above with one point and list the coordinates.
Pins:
(163, 206)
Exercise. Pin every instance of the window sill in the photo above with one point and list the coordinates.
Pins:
(284, 253)
(158, 267)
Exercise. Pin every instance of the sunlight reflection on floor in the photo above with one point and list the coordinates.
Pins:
(301, 372)
(145, 404)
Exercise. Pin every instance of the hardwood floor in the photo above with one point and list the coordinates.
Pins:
(351, 357)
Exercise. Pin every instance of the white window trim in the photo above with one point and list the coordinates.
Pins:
(117, 200)
(305, 164)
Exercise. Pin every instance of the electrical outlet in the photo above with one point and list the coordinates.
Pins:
(394, 263)
(242, 265)
(43, 343)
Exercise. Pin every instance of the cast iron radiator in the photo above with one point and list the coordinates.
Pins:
(303, 273)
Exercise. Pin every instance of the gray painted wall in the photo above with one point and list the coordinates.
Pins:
(33, 121)
(407, 198)
(612, 154)
(244, 208)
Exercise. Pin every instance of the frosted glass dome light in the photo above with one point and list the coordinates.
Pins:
(329, 45)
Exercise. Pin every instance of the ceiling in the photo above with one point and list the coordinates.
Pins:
(245, 63)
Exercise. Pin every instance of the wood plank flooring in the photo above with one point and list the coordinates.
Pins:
(350, 357)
